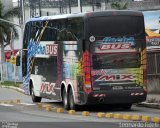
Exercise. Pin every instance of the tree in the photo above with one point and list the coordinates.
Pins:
(6, 29)
(119, 6)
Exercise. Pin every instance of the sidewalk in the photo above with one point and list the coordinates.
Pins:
(152, 101)
(153, 98)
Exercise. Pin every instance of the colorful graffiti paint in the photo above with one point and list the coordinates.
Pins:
(12, 72)
(72, 63)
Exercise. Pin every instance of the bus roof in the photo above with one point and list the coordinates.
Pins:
(88, 14)
(63, 16)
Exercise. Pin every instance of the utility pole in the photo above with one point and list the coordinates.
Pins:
(40, 14)
(79, 6)
(93, 5)
(69, 5)
(22, 17)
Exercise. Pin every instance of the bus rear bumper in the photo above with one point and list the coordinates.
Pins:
(115, 97)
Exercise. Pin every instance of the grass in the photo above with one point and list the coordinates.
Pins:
(11, 83)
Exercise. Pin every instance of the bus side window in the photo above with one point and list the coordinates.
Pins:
(75, 28)
(62, 31)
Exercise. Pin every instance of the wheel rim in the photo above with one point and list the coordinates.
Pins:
(64, 99)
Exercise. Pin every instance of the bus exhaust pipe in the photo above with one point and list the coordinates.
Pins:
(101, 100)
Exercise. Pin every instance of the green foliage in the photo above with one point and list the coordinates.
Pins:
(10, 83)
(12, 12)
(119, 6)
(6, 28)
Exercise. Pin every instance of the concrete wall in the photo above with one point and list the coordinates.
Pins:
(145, 5)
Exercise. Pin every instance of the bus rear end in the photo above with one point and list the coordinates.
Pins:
(117, 53)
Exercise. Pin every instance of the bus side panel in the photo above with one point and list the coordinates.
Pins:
(45, 68)
(72, 66)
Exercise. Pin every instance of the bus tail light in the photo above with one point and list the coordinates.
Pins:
(87, 77)
(89, 13)
(88, 81)
(86, 65)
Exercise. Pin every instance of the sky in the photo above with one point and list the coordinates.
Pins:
(14, 0)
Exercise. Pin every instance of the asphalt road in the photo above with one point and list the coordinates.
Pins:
(26, 114)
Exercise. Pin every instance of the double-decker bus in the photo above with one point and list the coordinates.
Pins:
(84, 59)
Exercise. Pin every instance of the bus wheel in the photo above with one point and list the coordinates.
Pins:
(65, 100)
(35, 98)
(71, 101)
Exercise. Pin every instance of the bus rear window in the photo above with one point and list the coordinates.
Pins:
(115, 25)
(116, 61)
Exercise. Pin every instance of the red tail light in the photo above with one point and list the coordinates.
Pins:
(87, 81)
(86, 64)
(90, 14)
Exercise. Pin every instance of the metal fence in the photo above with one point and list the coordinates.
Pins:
(153, 63)
(94, 4)
(153, 69)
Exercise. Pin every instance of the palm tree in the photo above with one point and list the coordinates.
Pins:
(6, 29)
(119, 6)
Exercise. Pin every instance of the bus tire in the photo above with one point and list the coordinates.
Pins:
(65, 100)
(72, 104)
(35, 99)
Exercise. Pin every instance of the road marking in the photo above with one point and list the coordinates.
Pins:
(28, 104)
(8, 105)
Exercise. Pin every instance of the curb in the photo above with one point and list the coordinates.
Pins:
(17, 101)
(149, 105)
(15, 88)
(129, 117)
